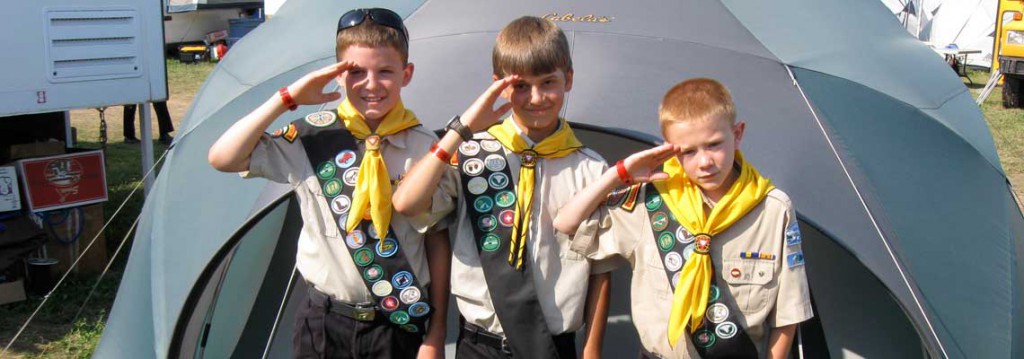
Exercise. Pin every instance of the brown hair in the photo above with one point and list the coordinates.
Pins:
(696, 99)
(530, 46)
(371, 34)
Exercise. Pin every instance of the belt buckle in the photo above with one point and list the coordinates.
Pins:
(504, 346)
(365, 312)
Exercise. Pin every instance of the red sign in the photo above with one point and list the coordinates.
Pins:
(70, 180)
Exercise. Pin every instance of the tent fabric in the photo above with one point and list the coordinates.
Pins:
(873, 137)
(175, 6)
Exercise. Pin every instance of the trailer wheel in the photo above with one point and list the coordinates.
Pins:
(1013, 91)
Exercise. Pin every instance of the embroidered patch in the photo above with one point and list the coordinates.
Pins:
(410, 295)
(387, 247)
(713, 293)
(487, 223)
(381, 288)
(477, 185)
(688, 251)
(410, 328)
(373, 273)
(332, 187)
(683, 236)
(279, 132)
(726, 330)
(363, 257)
(372, 232)
(389, 303)
(507, 217)
(653, 202)
(675, 280)
(291, 133)
(666, 242)
(351, 176)
(717, 313)
(631, 199)
(483, 204)
(355, 239)
(341, 204)
(757, 255)
(490, 145)
(326, 170)
(495, 162)
(454, 161)
(497, 180)
(673, 261)
(419, 309)
(473, 166)
(345, 159)
(793, 234)
(399, 317)
(618, 196)
(659, 221)
(704, 338)
(505, 199)
(321, 119)
(490, 242)
(402, 280)
(795, 259)
(469, 148)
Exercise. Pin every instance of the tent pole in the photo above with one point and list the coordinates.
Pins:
(280, 312)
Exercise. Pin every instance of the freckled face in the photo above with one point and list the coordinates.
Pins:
(708, 151)
(374, 85)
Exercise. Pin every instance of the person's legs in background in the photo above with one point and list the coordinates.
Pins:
(129, 125)
(163, 120)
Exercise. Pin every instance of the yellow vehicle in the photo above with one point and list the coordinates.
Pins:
(1009, 46)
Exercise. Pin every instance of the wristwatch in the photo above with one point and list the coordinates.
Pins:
(455, 124)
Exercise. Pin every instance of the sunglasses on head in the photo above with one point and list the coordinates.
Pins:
(380, 16)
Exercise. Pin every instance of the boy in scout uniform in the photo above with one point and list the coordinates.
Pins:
(715, 248)
(521, 291)
(367, 268)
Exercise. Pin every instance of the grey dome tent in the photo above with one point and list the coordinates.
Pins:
(913, 236)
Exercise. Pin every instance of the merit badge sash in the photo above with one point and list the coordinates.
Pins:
(491, 201)
(721, 335)
(334, 155)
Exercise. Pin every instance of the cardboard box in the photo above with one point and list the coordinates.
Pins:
(11, 292)
(63, 181)
(10, 199)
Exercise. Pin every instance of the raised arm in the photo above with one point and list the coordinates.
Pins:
(230, 153)
(640, 167)
(413, 197)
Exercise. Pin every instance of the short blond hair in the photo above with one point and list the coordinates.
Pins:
(530, 45)
(372, 34)
(696, 99)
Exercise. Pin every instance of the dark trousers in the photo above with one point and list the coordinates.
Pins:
(467, 348)
(163, 119)
(321, 333)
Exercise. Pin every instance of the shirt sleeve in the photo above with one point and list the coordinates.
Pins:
(275, 158)
(442, 203)
(618, 227)
(793, 303)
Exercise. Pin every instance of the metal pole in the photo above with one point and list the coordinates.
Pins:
(146, 127)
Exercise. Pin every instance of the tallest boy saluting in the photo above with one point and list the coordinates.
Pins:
(520, 289)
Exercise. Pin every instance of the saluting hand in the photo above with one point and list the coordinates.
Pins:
(309, 90)
(482, 114)
(642, 165)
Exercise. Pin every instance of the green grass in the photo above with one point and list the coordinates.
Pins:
(53, 334)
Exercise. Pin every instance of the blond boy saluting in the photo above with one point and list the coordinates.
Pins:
(519, 288)
(366, 267)
(715, 248)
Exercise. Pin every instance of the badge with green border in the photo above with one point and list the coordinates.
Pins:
(400, 317)
(373, 273)
(659, 221)
(326, 170)
(363, 256)
(653, 202)
(490, 242)
(483, 204)
(505, 198)
(332, 187)
(409, 328)
(666, 242)
(704, 338)
(713, 294)
(487, 223)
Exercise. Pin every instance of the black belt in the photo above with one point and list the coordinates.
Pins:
(479, 335)
(364, 312)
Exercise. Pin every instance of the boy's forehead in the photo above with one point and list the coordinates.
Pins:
(383, 52)
(533, 76)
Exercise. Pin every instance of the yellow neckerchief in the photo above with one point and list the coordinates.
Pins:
(559, 144)
(684, 199)
(373, 186)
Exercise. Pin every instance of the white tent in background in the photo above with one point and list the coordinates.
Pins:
(969, 24)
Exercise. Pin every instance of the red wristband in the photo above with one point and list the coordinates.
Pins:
(623, 174)
(441, 154)
(287, 99)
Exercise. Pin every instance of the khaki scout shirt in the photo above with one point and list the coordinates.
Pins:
(768, 293)
(559, 275)
(322, 258)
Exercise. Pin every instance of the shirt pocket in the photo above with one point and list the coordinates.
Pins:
(327, 226)
(750, 281)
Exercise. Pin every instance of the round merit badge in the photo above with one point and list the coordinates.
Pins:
(704, 338)
(381, 288)
(341, 204)
(345, 159)
(665, 242)
(490, 242)
(373, 273)
(321, 119)
(659, 221)
(505, 199)
(495, 162)
(419, 309)
(332, 187)
(675, 280)
(726, 330)
(683, 236)
(487, 223)
(372, 231)
(673, 261)
(326, 170)
(389, 303)
(410, 295)
(399, 317)
(469, 148)
(653, 202)
(473, 166)
(717, 313)
(387, 247)
(362, 256)
(490, 145)
(507, 217)
(402, 280)
(350, 176)
(497, 180)
(477, 185)
(688, 251)
(409, 328)
(713, 293)
(483, 204)
(355, 239)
